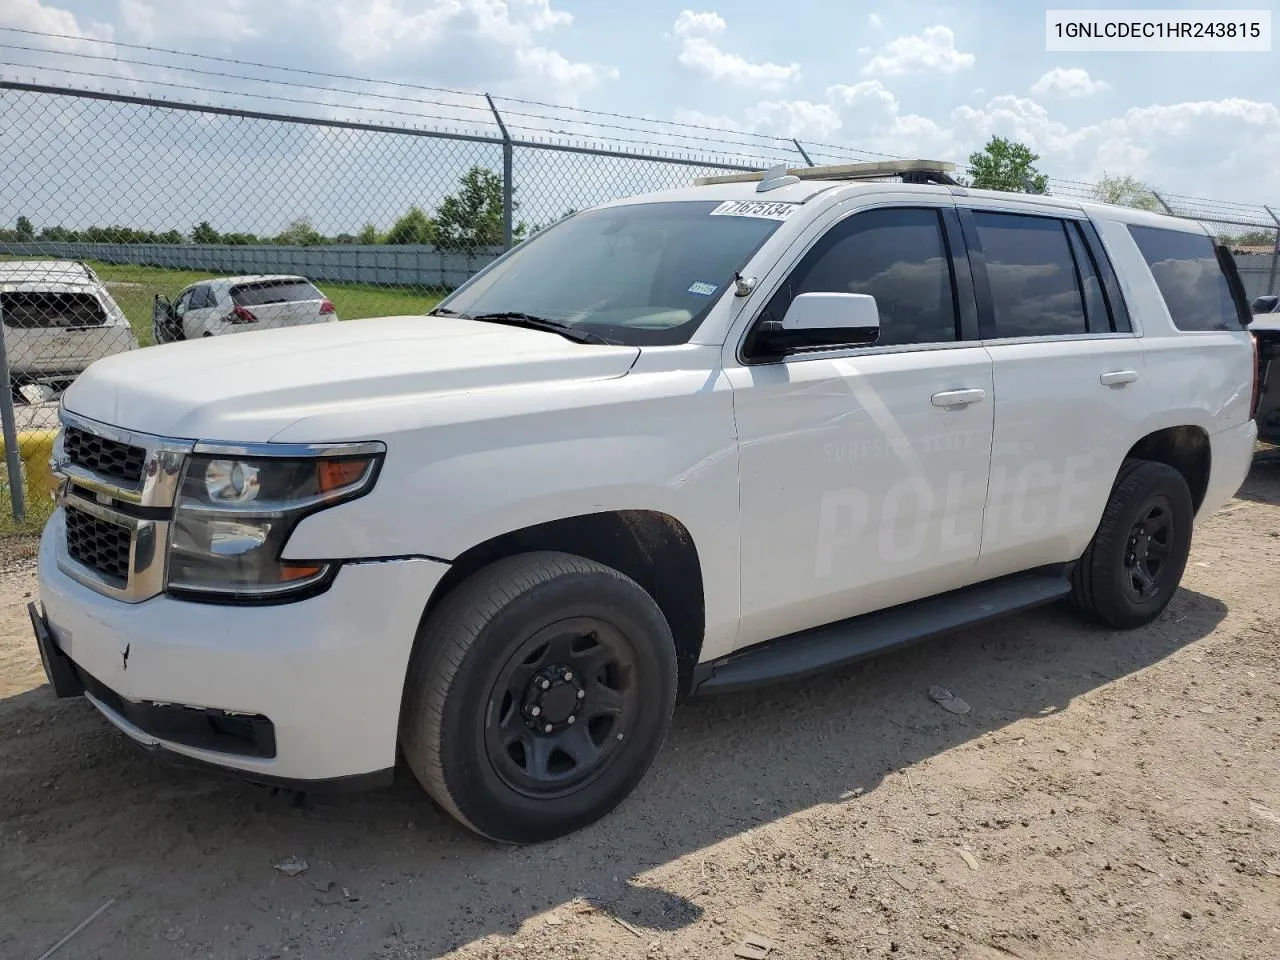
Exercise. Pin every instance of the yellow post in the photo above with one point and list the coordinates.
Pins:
(36, 449)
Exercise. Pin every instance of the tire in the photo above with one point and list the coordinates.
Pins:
(479, 697)
(1136, 559)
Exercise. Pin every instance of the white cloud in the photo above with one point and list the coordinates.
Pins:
(1068, 82)
(1214, 148)
(875, 21)
(148, 20)
(935, 49)
(46, 18)
(498, 45)
(697, 34)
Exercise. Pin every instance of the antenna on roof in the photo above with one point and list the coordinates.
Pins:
(776, 176)
(911, 171)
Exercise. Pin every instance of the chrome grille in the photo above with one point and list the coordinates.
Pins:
(100, 545)
(117, 495)
(103, 456)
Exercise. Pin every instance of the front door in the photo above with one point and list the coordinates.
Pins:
(863, 471)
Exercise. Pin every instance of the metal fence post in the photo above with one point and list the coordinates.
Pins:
(1167, 209)
(12, 455)
(807, 161)
(1275, 252)
(508, 190)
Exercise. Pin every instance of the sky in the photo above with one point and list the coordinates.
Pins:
(921, 79)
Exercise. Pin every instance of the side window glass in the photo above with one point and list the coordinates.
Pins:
(1190, 277)
(1097, 315)
(202, 298)
(898, 256)
(1032, 274)
(182, 304)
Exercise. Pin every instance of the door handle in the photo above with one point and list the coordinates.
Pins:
(959, 398)
(1118, 378)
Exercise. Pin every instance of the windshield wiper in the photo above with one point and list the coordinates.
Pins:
(444, 312)
(516, 319)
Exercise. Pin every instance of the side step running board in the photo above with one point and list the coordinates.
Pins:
(822, 648)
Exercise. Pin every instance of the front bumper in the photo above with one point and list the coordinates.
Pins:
(326, 674)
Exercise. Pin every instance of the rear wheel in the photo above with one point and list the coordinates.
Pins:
(538, 695)
(1136, 559)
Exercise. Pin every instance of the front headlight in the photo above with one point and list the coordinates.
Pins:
(235, 513)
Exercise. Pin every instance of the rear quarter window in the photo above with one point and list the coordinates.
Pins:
(1191, 281)
(274, 291)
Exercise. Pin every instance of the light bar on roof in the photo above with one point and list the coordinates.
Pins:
(841, 171)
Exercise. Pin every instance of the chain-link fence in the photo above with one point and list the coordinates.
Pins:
(127, 221)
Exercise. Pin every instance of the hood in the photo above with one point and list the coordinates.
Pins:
(248, 387)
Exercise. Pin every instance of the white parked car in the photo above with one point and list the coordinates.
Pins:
(238, 304)
(58, 318)
(683, 443)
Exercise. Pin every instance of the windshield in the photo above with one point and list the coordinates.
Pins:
(644, 273)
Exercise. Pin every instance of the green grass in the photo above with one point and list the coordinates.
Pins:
(39, 507)
(134, 288)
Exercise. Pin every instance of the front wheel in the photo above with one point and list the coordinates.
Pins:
(1135, 561)
(538, 694)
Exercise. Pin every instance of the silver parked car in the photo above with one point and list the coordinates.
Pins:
(58, 318)
(236, 304)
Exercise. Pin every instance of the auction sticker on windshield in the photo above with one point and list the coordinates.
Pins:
(769, 210)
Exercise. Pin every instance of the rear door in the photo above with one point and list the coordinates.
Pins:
(1070, 380)
(280, 303)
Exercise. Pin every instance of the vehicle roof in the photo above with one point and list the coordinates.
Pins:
(225, 283)
(828, 192)
(47, 274)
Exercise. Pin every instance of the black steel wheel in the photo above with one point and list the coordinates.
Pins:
(538, 694)
(1151, 540)
(561, 707)
(1136, 559)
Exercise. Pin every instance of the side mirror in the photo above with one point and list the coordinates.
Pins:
(1265, 304)
(820, 320)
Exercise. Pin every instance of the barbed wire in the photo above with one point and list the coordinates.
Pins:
(594, 131)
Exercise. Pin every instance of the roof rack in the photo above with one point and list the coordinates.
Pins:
(911, 171)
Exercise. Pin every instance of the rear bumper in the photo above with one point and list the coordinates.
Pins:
(1230, 457)
(303, 694)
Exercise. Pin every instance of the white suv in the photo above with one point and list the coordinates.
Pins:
(682, 443)
(239, 304)
(58, 317)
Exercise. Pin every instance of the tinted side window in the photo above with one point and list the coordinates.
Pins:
(1190, 278)
(1097, 316)
(899, 257)
(202, 298)
(1034, 290)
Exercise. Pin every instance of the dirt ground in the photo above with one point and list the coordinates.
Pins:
(1109, 796)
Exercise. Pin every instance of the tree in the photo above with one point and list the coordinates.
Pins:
(202, 232)
(414, 227)
(1007, 165)
(368, 235)
(473, 216)
(59, 235)
(1125, 191)
(1250, 238)
(300, 233)
(24, 230)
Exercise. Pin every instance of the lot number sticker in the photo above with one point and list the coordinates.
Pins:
(769, 210)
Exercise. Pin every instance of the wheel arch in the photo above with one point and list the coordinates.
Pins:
(651, 547)
(1186, 448)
